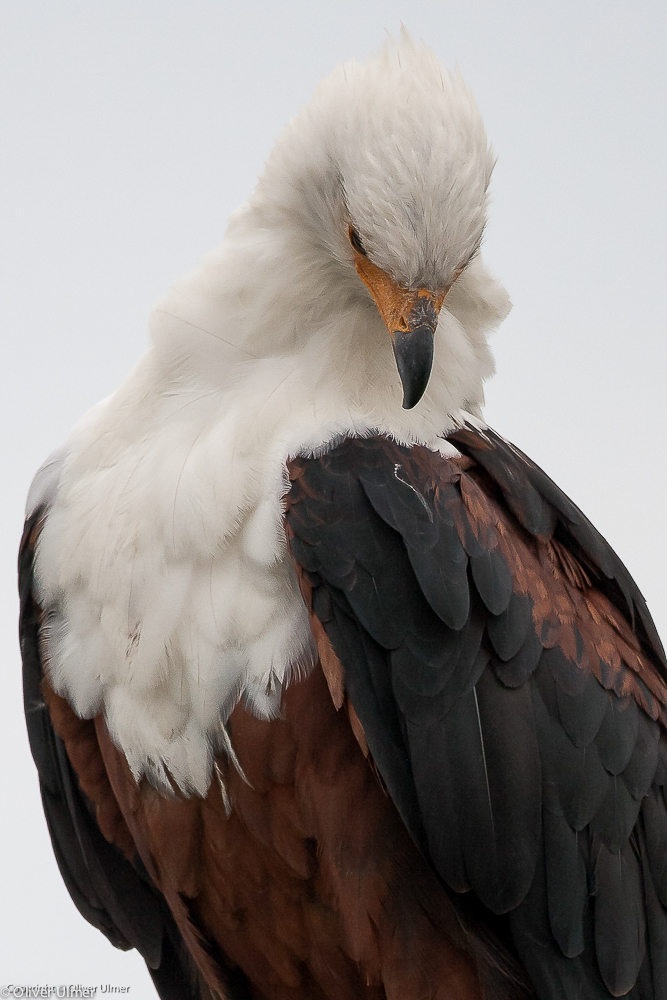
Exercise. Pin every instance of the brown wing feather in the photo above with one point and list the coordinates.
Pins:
(83, 750)
(311, 885)
(564, 599)
(512, 690)
(328, 661)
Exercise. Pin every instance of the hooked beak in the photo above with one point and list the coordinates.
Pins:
(414, 359)
(411, 318)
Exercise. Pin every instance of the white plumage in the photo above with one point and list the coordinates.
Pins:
(162, 562)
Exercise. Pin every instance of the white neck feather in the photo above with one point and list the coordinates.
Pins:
(162, 564)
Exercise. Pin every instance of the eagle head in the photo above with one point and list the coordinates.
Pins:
(385, 175)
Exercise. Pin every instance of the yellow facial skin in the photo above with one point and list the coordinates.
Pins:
(402, 309)
(411, 318)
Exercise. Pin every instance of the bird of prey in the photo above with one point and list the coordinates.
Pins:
(333, 694)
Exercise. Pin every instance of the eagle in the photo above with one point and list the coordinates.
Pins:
(332, 693)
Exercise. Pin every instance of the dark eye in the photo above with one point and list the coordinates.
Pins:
(355, 240)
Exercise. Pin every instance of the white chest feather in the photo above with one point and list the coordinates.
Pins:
(162, 564)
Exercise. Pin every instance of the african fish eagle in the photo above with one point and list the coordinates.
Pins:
(332, 693)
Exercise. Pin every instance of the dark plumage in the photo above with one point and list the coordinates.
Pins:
(520, 733)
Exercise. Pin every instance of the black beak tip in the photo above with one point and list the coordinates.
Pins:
(411, 397)
(414, 359)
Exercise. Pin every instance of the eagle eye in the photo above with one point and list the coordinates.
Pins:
(355, 240)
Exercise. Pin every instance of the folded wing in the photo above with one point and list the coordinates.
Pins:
(91, 841)
(512, 690)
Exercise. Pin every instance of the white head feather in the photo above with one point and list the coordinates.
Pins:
(396, 143)
(162, 562)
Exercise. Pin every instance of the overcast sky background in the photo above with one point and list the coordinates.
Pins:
(131, 129)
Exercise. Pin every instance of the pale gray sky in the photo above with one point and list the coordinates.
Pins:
(132, 128)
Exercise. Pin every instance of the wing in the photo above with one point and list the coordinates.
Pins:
(91, 841)
(512, 691)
